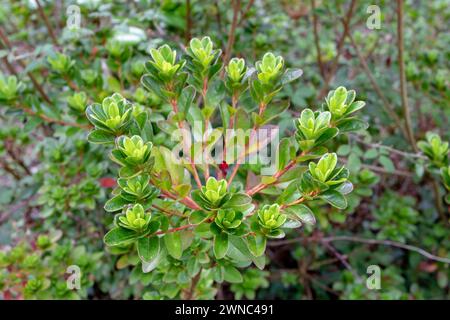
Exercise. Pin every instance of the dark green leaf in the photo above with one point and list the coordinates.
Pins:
(220, 245)
(172, 241)
(334, 198)
(148, 248)
(120, 236)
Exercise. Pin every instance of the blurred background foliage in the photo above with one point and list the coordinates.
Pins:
(53, 183)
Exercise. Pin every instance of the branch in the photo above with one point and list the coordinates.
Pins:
(382, 170)
(316, 39)
(188, 22)
(194, 282)
(187, 201)
(389, 243)
(245, 11)
(4, 164)
(168, 211)
(387, 106)
(187, 226)
(277, 175)
(52, 120)
(231, 35)
(262, 107)
(403, 89)
(191, 162)
(298, 201)
(47, 23)
(366, 241)
(340, 47)
(390, 149)
(36, 84)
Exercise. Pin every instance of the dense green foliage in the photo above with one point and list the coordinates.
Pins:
(107, 128)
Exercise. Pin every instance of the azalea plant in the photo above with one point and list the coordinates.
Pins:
(205, 219)
(168, 166)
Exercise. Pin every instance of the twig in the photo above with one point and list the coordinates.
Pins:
(245, 11)
(341, 258)
(389, 243)
(9, 169)
(195, 280)
(9, 146)
(188, 22)
(390, 149)
(187, 201)
(387, 106)
(13, 209)
(47, 23)
(382, 170)
(168, 211)
(231, 35)
(185, 147)
(187, 226)
(316, 39)
(36, 84)
(298, 201)
(71, 84)
(277, 175)
(52, 120)
(340, 46)
(403, 89)
(438, 201)
(366, 241)
(241, 157)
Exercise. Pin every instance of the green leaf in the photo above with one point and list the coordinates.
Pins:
(182, 190)
(193, 266)
(186, 99)
(343, 150)
(257, 244)
(242, 120)
(151, 265)
(241, 245)
(283, 153)
(334, 198)
(120, 236)
(354, 163)
(115, 204)
(220, 245)
(352, 124)
(371, 154)
(387, 163)
(291, 224)
(148, 248)
(101, 137)
(232, 274)
(291, 75)
(174, 247)
(176, 171)
(303, 213)
(197, 217)
(292, 174)
(238, 202)
(273, 111)
(329, 134)
(312, 154)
